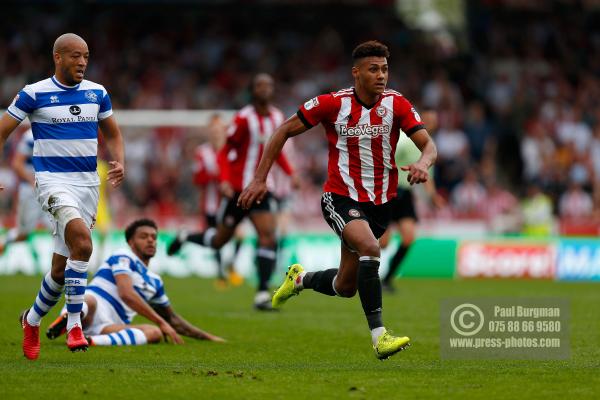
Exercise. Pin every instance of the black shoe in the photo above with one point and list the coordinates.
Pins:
(176, 244)
(265, 306)
(388, 287)
(58, 327)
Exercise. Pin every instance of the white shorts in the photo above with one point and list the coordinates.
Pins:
(104, 316)
(29, 212)
(52, 197)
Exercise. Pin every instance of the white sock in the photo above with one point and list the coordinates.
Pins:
(125, 337)
(375, 333)
(299, 282)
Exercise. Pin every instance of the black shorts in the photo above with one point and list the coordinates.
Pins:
(403, 205)
(339, 210)
(211, 220)
(231, 215)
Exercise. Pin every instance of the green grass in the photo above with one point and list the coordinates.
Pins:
(317, 347)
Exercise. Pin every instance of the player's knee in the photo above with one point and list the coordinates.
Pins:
(153, 334)
(81, 248)
(267, 239)
(408, 239)
(345, 290)
(369, 248)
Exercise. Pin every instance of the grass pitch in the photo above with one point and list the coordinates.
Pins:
(317, 347)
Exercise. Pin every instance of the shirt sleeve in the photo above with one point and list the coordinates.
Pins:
(408, 117)
(237, 131)
(122, 266)
(105, 110)
(316, 110)
(160, 298)
(22, 105)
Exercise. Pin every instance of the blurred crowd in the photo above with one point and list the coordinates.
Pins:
(515, 91)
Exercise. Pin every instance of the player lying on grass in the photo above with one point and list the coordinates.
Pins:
(124, 286)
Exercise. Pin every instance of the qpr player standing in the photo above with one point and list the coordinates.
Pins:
(362, 124)
(65, 113)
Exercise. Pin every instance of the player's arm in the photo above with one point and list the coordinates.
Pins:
(114, 143)
(18, 164)
(257, 188)
(7, 126)
(139, 305)
(418, 171)
(182, 326)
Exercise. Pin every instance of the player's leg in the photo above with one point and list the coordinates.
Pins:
(264, 222)
(228, 217)
(407, 228)
(126, 335)
(58, 327)
(47, 297)
(28, 210)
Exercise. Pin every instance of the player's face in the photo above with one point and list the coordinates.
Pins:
(263, 88)
(371, 73)
(73, 61)
(143, 242)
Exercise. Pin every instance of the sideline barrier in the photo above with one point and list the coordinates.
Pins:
(516, 257)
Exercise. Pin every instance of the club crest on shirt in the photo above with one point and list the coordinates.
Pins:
(416, 114)
(312, 103)
(353, 213)
(91, 96)
(54, 99)
(381, 111)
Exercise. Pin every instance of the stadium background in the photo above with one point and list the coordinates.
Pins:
(515, 85)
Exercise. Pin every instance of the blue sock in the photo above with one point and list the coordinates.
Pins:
(75, 284)
(47, 297)
(125, 337)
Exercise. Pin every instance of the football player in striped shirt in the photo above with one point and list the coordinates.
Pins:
(251, 128)
(362, 124)
(65, 113)
(123, 287)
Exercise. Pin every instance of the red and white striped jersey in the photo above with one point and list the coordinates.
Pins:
(246, 139)
(362, 141)
(206, 177)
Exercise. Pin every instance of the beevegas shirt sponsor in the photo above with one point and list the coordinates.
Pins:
(64, 122)
(362, 141)
(146, 283)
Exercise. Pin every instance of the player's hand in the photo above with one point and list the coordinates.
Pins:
(417, 173)
(226, 189)
(116, 174)
(253, 193)
(169, 332)
(213, 338)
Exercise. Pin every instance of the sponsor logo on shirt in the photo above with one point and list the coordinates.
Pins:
(67, 120)
(366, 130)
(75, 110)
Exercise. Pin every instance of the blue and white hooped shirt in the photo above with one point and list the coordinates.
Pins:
(146, 283)
(64, 121)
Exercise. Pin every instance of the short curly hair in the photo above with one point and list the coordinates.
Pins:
(372, 48)
(130, 230)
